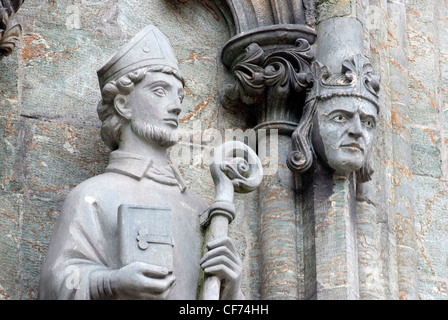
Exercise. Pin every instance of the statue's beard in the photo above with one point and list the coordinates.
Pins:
(154, 134)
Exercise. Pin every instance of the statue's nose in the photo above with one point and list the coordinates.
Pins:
(175, 108)
(355, 129)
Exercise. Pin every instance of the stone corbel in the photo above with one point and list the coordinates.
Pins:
(355, 81)
(9, 31)
(332, 150)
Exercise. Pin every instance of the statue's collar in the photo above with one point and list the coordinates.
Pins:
(139, 167)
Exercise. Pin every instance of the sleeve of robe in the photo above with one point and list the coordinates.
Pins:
(79, 248)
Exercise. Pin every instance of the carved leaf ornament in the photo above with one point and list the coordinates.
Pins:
(289, 70)
(8, 37)
(284, 71)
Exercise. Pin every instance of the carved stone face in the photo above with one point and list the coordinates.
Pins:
(343, 132)
(155, 105)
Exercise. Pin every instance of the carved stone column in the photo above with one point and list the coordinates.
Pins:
(9, 31)
(270, 59)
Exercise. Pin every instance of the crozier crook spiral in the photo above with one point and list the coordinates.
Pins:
(240, 164)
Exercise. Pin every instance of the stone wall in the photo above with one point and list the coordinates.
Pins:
(408, 49)
(428, 123)
(50, 140)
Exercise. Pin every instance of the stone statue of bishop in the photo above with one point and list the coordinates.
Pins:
(133, 232)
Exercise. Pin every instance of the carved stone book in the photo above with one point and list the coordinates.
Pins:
(145, 235)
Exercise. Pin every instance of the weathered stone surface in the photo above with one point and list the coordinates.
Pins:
(10, 153)
(26, 227)
(9, 86)
(427, 73)
(60, 156)
(335, 244)
(431, 203)
(38, 216)
(375, 220)
(426, 157)
(333, 8)
(10, 240)
(279, 264)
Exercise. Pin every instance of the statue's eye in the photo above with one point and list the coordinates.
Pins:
(160, 92)
(339, 118)
(369, 123)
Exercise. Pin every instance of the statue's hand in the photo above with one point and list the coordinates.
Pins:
(140, 280)
(222, 260)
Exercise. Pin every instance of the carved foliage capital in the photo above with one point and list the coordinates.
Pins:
(284, 70)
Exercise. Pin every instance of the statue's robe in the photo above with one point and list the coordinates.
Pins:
(85, 239)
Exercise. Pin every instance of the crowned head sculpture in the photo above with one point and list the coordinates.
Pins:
(339, 118)
(146, 60)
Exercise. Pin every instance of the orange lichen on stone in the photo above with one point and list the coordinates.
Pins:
(198, 109)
